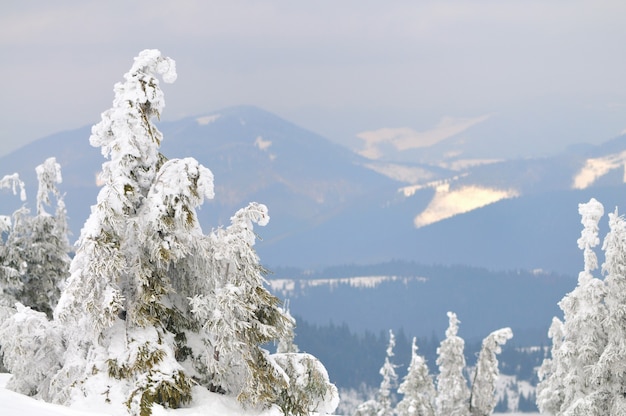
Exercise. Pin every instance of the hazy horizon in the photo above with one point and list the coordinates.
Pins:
(538, 76)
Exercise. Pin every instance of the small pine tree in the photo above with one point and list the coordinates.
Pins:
(9, 268)
(482, 396)
(389, 382)
(417, 387)
(383, 405)
(550, 389)
(452, 391)
(35, 253)
(41, 244)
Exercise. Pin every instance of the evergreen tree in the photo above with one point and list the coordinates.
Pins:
(40, 244)
(567, 385)
(452, 391)
(154, 306)
(609, 374)
(34, 251)
(584, 312)
(383, 404)
(9, 268)
(417, 387)
(389, 382)
(550, 389)
(482, 398)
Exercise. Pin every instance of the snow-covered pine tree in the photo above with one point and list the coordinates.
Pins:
(550, 389)
(240, 314)
(568, 378)
(114, 311)
(9, 270)
(584, 312)
(389, 382)
(452, 391)
(153, 306)
(482, 397)
(609, 374)
(40, 244)
(383, 404)
(417, 388)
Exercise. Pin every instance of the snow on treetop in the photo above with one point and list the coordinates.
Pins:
(453, 328)
(151, 61)
(591, 212)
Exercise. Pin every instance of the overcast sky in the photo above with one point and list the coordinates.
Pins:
(338, 67)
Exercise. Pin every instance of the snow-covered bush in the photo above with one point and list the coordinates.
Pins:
(33, 350)
(308, 389)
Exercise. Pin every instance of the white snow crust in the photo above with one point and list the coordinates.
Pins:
(204, 403)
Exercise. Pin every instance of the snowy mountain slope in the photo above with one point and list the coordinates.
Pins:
(331, 206)
(254, 155)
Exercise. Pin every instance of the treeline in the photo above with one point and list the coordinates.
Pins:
(353, 358)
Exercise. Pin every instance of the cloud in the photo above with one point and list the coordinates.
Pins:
(406, 138)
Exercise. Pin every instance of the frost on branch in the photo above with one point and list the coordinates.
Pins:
(13, 182)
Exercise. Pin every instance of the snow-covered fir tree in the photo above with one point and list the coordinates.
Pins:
(417, 388)
(9, 271)
(383, 404)
(389, 382)
(35, 250)
(41, 244)
(571, 381)
(482, 397)
(153, 305)
(452, 391)
(550, 389)
(609, 374)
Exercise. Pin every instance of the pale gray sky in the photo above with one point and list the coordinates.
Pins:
(547, 69)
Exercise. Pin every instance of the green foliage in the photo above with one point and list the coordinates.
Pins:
(263, 382)
(307, 385)
(170, 394)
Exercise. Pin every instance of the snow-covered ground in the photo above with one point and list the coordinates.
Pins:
(205, 404)
(208, 404)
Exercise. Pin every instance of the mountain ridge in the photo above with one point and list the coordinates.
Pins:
(328, 206)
